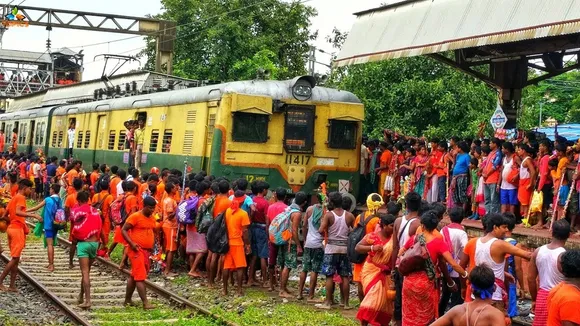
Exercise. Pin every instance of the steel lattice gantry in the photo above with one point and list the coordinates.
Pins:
(163, 31)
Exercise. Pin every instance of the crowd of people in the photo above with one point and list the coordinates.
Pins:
(408, 253)
(525, 176)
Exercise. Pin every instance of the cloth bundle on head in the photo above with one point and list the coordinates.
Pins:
(238, 201)
(373, 206)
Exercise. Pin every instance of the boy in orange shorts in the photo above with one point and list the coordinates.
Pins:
(138, 232)
(237, 222)
(169, 207)
(17, 231)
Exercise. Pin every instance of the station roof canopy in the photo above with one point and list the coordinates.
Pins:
(418, 27)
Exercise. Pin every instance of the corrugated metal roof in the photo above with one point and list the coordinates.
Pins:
(414, 28)
(19, 56)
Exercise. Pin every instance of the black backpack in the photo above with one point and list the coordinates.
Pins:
(97, 185)
(354, 238)
(217, 236)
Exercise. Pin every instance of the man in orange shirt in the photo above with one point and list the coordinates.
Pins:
(138, 232)
(102, 202)
(383, 169)
(161, 185)
(491, 177)
(70, 203)
(169, 226)
(114, 181)
(60, 170)
(152, 179)
(131, 206)
(17, 230)
(95, 174)
(222, 203)
(237, 222)
(563, 299)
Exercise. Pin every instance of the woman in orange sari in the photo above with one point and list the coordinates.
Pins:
(370, 217)
(377, 306)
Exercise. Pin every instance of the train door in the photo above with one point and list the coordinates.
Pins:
(30, 139)
(101, 136)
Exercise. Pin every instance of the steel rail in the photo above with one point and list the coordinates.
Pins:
(53, 297)
(156, 288)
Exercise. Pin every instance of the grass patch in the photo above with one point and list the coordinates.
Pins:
(9, 320)
(185, 317)
(256, 307)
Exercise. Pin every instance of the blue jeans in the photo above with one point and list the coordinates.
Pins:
(491, 196)
(442, 189)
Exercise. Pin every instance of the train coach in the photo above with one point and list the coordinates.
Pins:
(289, 133)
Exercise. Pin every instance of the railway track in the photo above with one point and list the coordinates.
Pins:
(108, 284)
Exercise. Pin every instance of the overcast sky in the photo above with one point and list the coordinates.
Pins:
(331, 13)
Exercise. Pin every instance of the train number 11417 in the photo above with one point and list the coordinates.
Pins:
(297, 159)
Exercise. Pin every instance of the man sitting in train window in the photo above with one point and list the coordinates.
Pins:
(71, 136)
(129, 139)
(139, 138)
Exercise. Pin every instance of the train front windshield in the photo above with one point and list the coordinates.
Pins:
(299, 129)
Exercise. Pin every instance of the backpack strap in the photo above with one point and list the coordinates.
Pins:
(404, 227)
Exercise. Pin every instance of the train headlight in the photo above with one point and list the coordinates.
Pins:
(302, 87)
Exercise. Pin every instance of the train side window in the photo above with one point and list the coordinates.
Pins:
(299, 129)
(87, 138)
(22, 133)
(154, 140)
(80, 140)
(42, 130)
(342, 134)
(53, 143)
(250, 127)
(60, 136)
(122, 137)
(210, 128)
(112, 137)
(141, 116)
(167, 138)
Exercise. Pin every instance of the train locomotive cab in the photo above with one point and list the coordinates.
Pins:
(296, 138)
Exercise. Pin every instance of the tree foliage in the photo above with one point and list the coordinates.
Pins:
(558, 97)
(228, 39)
(416, 96)
(419, 96)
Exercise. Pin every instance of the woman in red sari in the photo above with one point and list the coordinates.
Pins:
(420, 291)
(419, 177)
(377, 306)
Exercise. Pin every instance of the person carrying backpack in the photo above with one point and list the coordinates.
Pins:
(102, 201)
(125, 205)
(52, 204)
(237, 222)
(369, 221)
(284, 233)
(87, 231)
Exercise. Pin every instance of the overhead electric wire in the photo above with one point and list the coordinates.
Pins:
(186, 35)
(176, 26)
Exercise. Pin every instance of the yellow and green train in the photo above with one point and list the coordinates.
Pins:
(289, 133)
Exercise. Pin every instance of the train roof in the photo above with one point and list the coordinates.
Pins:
(27, 114)
(278, 90)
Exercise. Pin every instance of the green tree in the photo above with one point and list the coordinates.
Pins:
(225, 39)
(264, 61)
(558, 98)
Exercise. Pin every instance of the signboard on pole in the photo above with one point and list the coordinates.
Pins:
(498, 119)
